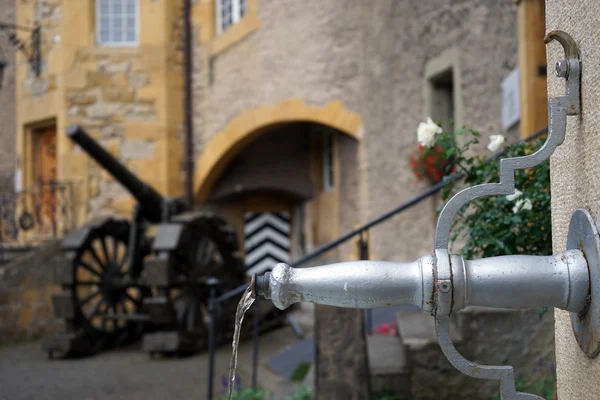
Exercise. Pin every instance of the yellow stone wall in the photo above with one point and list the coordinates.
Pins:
(128, 98)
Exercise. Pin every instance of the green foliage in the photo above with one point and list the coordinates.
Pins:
(300, 372)
(498, 225)
(302, 393)
(250, 394)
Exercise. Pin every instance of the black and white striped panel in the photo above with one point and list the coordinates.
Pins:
(267, 240)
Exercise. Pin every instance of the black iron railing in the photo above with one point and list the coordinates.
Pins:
(364, 252)
(44, 210)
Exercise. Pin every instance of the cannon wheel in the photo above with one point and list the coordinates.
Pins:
(205, 248)
(105, 289)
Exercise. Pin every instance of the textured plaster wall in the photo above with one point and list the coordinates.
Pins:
(7, 102)
(575, 171)
(402, 38)
(371, 56)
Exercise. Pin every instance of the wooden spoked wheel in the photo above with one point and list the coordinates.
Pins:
(105, 287)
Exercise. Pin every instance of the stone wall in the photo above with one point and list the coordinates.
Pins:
(490, 337)
(130, 99)
(26, 288)
(132, 102)
(110, 106)
(7, 102)
(575, 173)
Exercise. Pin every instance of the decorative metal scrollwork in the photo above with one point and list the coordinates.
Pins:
(558, 109)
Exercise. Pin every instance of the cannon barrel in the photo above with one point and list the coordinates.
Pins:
(149, 199)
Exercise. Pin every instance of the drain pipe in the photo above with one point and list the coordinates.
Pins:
(189, 123)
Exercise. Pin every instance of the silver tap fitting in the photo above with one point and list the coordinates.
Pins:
(560, 281)
(261, 285)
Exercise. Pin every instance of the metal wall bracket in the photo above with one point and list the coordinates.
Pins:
(585, 326)
(583, 235)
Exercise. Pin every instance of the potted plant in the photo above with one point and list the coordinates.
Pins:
(435, 155)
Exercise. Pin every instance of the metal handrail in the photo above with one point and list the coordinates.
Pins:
(214, 301)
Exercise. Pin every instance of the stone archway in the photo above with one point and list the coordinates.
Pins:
(252, 173)
(252, 123)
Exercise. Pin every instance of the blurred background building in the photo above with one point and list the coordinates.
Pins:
(299, 124)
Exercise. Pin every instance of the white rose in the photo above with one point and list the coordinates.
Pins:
(517, 206)
(496, 142)
(426, 132)
(522, 205)
(515, 196)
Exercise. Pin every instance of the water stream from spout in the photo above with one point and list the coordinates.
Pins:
(243, 306)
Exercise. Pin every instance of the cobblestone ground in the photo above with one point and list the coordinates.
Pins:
(126, 374)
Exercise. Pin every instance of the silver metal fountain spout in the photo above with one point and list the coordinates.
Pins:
(355, 284)
(560, 281)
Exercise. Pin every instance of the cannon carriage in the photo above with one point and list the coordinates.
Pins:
(120, 284)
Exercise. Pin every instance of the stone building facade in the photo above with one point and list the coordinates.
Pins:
(354, 72)
(307, 109)
(127, 96)
(370, 71)
(379, 63)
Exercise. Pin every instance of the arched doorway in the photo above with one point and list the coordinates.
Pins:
(287, 177)
(278, 167)
(281, 192)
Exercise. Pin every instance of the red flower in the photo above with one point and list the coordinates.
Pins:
(386, 329)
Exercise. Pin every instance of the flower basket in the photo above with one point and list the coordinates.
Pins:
(431, 163)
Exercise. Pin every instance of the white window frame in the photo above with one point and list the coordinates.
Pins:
(236, 15)
(118, 44)
(328, 161)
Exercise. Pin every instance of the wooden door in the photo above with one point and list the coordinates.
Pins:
(46, 176)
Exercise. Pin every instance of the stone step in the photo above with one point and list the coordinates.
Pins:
(417, 329)
(388, 364)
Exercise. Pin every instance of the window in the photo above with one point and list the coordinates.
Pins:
(328, 161)
(117, 22)
(442, 88)
(442, 99)
(229, 12)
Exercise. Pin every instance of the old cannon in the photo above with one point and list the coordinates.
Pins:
(120, 283)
